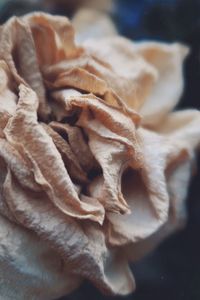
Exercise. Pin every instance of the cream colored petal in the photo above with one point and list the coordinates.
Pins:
(112, 161)
(50, 173)
(81, 246)
(183, 127)
(119, 274)
(18, 51)
(102, 26)
(61, 33)
(111, 117)
(88, 74)
(81, 79)
(167, 59)
(114, 63)
(107, 128)
(29, 267)
(145, 191)
(178, 179)
(17, 160)
(8, 99)
(127, 73)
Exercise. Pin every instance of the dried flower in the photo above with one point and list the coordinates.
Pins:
(94, 165)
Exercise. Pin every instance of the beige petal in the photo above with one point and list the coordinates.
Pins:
(87, 74)
(57, 109)
(108, 129)
(18, 51)
(145, 192)
(73, 167)
(102, 26)
(112, 117)
(81, 79)
(127, 73)
(182, 126)
(167, 59)
(50, 173)
(8, 99)
(82, 247)
(112, 161)
(178, 179)
(29, 267)
(89, 188)
(60, 32)
(78, 145)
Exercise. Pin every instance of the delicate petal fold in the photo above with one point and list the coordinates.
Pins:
(25, 261)
(145, 192)
(167, 59)
(50, 173)
(178, 174)
(82, 247)
(18, 51)
(127, 73)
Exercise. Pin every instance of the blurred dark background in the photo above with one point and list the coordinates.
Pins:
(172, 271)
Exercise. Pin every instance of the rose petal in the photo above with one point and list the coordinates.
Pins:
(102, 25)
(78, 145)
(73, 167)
(82, 247)
(18, 51)
(168, 61)
(127, 73)
(182, 126)
(50, 173)
(26, 258)
(145, 192)
(178, 179)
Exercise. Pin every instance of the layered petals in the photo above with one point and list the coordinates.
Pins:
(94, 165)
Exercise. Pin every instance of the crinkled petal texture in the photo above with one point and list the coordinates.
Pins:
(94, 165)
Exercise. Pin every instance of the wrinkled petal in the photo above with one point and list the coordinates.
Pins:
(82, 248)
(165, 93)
(60, 32)
(178, 179)
(127, 73)
(145, 192)
(50, 173)
(25, 258)
(95, 167)
(18, 51)
(73, 167)
(78, 144)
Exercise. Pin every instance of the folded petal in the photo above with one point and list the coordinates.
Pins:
(30, 267)
(145, 192)
(167, 59)
(127, 73)
(82, 247)
(55, 30)
(50, 173)
(18, 51)
(178, 179)
(78, 144)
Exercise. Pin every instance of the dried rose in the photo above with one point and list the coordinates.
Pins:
(94, 165)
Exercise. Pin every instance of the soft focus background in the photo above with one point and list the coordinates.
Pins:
(173, 270)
